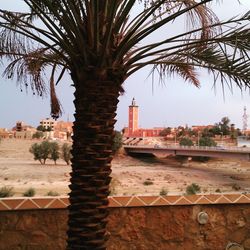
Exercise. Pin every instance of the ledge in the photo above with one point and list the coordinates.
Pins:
(19, 203)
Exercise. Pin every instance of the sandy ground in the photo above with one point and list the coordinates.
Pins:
(130, 175)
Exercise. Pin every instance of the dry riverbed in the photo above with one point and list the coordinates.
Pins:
(131, 176)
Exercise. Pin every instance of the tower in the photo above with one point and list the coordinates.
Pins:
(132, 118)
(244, 118)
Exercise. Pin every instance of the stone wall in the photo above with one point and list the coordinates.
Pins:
(134, 228)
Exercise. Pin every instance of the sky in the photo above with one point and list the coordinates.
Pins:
(176, 103)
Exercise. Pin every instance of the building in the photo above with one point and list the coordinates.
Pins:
(48, 123)
(133, 129)
(63, 130)
(23, 131)
(5, 133)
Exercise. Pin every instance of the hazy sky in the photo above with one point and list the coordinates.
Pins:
(176, 103)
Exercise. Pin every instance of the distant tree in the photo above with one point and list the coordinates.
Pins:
(41, 128)
(37, 135)
(54, 151)
(206, 132)
(165, 131)
(41, 151)
(207, 141)
(224, 126)
(185, 141)
(66, 152)
(117, 141)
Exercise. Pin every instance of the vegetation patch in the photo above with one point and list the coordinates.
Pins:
(53, 193)
(193, 189)
(163, 192)
(6, 192)
(29, 192)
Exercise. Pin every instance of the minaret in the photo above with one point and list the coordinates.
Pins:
(132, 118)
(244, 118)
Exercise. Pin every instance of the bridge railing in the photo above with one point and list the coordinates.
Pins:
(218, 148)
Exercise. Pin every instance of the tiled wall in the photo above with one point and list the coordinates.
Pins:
(135, 223)
(126, 201)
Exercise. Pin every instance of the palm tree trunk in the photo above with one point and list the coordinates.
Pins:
(95, 102)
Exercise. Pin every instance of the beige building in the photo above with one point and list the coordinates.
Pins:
(48, 123)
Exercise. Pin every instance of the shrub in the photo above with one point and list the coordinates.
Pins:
(236, 187)
(117, 142)
(37, 135)
(163, 192)
(207, 141)
(193, 189)
(185, 141)
(6, 192)
(29, 192)
(66, 152)
(52, 193)
(113, 185)
(147, 183)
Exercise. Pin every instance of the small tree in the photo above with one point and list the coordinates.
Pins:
(41, 128)
(185, 141)
(66, 152)
(38, 135)
(117, 142)
(165, 132)
(54, 151)
(41, 151)
(207, 141)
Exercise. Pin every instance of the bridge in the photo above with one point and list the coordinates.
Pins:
(217, 152)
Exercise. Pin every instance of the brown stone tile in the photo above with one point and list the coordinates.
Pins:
(148, 200)
(3, 206)
(183, 201)
(114, 203)
(212, 197)
(43, 202)
(223, 200)
(135, 202)
(12, 203)
(232, 197)
(160, 201)
(243, 199)
(192, 198)
(172, 199)
(56, 203)
(203, 200)
(123, 200)
(27, 204)
(65, 201)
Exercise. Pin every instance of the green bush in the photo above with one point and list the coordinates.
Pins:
(29, 192)
(207, 141)
(193, 189)
(117, 141)
(52, 193)
(163, 192)
(185, 141)
(6, 192)
(37, 135)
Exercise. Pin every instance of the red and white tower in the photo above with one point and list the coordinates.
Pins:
(132, 118)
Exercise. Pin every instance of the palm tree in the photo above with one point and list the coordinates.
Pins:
(102, 43)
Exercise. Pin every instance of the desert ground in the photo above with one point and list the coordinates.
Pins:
(131, 176)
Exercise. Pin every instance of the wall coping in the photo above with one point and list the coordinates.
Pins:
(60, 202)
